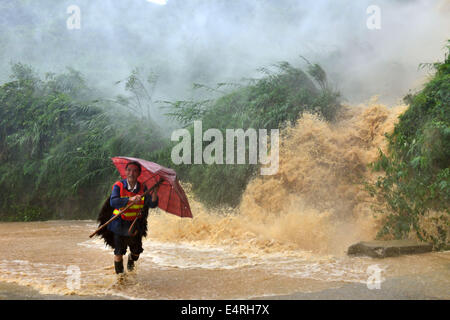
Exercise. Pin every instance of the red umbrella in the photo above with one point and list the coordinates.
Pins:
(171, 196)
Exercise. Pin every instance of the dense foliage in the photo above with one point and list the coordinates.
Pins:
(416, 184)
(55, 144)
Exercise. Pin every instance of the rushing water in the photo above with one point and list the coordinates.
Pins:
(289, 234)
(41, 255)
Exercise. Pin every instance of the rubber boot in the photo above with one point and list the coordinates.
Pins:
(118, 265)
(131, 260)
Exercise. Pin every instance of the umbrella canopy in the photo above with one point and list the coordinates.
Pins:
(171, 196)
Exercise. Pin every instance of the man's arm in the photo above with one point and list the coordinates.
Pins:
(152, 201)
(116, 201)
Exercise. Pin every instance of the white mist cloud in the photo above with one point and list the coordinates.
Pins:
(211, 41)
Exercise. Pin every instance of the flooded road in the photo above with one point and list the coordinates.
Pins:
(48, 257)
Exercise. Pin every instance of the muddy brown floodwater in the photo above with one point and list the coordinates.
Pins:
(44, 255)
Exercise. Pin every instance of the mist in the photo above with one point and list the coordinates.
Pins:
(211, 41)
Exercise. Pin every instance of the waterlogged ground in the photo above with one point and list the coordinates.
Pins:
(57, 259)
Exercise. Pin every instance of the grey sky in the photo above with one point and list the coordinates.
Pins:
(210, 41)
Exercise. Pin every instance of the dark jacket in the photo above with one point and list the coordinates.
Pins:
(120, 226)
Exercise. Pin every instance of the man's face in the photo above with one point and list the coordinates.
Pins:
(132, 173)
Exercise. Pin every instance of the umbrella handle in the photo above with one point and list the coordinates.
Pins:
(122, 211)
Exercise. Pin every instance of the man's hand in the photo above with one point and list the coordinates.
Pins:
(135, 200)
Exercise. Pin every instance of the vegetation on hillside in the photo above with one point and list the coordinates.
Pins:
(416, 181)
(55, 144)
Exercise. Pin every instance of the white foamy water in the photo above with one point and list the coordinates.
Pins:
(199, 256)
(300, 265)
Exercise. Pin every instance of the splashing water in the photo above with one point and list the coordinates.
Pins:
(315, 202)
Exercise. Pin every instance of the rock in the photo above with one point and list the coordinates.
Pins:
(392, 248)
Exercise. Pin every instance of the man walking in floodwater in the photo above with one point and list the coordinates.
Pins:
(125, 192)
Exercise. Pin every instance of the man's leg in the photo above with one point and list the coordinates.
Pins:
(131, 259)
(135, 250)
(119, 251)
(118, 263)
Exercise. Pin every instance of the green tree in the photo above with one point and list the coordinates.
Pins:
(416, 169)
(56, 141)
